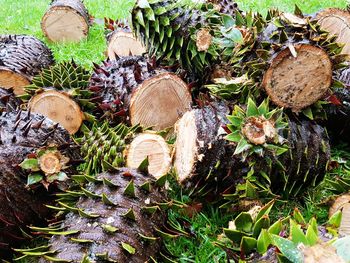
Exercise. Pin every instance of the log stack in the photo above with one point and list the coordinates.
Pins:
(253, 131)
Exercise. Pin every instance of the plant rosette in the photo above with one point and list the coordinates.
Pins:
(46, 166)
(257, 130)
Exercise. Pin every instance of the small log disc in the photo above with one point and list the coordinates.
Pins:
(59, 108)
(155, 148)
(336, 22)
(10, 79)
(299, 81)
(186, 150)
(64, 24)
(160, 101)
(123, 44)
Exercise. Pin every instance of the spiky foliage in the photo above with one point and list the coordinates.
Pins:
(178, 33)
(114, 81)
(102, 147)
(8, 101)
(112, 25)
(119, 217)
(22, 134)
(285, 155)
(263, 38)
(254, 237)
(67, 77)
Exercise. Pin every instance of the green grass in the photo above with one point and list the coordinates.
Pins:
(23, 17)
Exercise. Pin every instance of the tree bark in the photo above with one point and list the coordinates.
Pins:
(22, 134)
(203, 157)
(114, 226)
(21, 58)
(66, 20)
(205, 160)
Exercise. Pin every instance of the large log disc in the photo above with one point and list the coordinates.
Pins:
(337, 22)
(59, 108)
(160, 101)
(122, 43)
(298, 76)
(155, 148)
(66, 20)
(21, 58)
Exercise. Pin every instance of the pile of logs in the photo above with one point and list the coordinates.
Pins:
(235, 104)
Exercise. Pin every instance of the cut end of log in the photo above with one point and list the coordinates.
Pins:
(336, 22)
(298, 77)
(186, 146)
(50, 163)
(64, 24)
(344, 228)
(155, 148)
(59, 108)
(123, 44)
(339, 203)
(10, 79)
(160, 101)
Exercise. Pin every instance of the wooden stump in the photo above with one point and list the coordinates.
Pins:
(59, 108)
(337, 22)
(298, 76)
(21, 58)
(155, 148)
(160, 101)
(121, 41)
(66, 21)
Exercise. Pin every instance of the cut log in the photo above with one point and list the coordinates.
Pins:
(298, 76)
(66, 21)
(338, 204)
(58, 107)
(153, 147)
(23, 134)
(160, 101)
(21, 58)
(201, 148)
(132, 89)
(337, 22)
(204, 159)
(121, 41)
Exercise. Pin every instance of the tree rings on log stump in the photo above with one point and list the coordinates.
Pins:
(155, 148)
(66, 21)
(337, 22)
(59, 108)
(160, 101)
(22, 57)
(122, 44)
(298, 76)
(11, 79)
